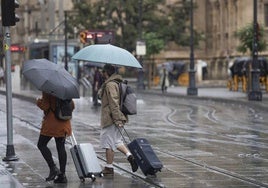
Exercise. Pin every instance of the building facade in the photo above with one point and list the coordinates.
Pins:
(217, 20)
(40, 21)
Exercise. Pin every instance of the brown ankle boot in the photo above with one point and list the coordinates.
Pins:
(108, 171)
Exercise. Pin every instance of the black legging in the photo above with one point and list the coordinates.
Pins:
(60, 144)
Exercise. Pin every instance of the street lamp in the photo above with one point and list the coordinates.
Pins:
(191, 90)
(140, 71)
(255, 94)
(66, 14)
(65, 41)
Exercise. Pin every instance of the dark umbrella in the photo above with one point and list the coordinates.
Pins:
(51, 78)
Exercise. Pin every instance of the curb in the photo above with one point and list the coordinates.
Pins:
(241, 101)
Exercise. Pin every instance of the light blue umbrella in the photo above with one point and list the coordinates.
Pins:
(107, 54)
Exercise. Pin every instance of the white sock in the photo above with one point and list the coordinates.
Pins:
(128, 154)
(109, 165)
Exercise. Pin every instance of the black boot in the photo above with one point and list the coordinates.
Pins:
(54, 171)
(61, 179)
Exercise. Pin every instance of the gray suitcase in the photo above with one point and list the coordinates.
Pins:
(85, 160)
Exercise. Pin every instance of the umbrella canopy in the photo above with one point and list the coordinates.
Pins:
(107, 54)
(51, 78)
(91, 64)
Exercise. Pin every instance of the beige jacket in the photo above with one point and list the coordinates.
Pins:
(110, 102)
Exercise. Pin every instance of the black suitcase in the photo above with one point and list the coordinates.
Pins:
(144, 155)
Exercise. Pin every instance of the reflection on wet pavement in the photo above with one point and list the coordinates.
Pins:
(201, 143)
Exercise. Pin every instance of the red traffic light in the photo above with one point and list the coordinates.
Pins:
(96, 36)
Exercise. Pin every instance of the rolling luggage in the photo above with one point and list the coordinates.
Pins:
(144, 155)
(85, 160)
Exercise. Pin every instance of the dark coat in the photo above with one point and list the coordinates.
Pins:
(51, 126)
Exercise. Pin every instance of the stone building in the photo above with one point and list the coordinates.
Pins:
(216, 19)
(222, 18)
(40, 21)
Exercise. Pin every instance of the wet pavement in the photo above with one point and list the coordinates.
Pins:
(215, 139)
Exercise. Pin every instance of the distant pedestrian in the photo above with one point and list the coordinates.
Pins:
(2, 76)
(59, 129)
(97, 82)
(164, 80)
(112, 119)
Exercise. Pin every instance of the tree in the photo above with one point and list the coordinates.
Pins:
(80, 17)
(246, 36)
(178, 29)
(168, 23)
(154, 44)
(123, 17)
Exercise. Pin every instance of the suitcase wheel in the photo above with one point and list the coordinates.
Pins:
(82, 179)
(93, 178)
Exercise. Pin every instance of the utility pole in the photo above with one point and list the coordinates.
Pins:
(10, 150)
(65, 41)
(140, 71)
(255, 94)
(9, 18)
(191, 90)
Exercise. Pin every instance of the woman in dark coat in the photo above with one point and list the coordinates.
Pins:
(59, 129)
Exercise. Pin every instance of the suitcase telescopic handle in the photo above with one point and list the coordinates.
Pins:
(73, 140)
(120, 130)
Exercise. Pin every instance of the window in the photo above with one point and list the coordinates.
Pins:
(266, 15)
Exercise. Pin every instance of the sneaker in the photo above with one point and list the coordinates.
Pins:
(61, 179)
(133, 163)
(108, 171)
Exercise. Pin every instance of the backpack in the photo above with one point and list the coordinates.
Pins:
(128, 99)
(64, 109)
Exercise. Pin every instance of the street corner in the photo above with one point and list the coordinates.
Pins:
(6, 178)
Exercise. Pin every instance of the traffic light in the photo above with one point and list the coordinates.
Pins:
(9, 17)
(83, 37)
(96, 37)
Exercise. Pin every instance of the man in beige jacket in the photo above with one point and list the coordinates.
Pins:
(112, 119)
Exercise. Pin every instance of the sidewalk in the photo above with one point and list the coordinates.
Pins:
(30, 169)
(10, 172)
(216, 93)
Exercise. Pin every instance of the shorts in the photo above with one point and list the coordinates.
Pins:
(110, 137)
